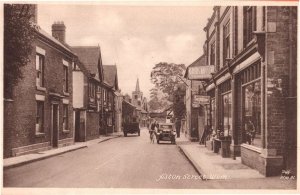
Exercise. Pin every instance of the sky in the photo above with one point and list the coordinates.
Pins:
(135, 38)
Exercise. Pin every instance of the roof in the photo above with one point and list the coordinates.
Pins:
(57, 42)
(201, 61)
(90, 56)
(110, 75)
(130, 104)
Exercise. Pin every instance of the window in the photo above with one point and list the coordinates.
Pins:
(66, 80)
(226, 42)
(252, 113)
(249, 23)
(136, 97)
(227, 118)
(104, 95)
(109, 119)
(65, 117)
(213, 53)
(39, 125)
(91, 89)
(139, 103)
(213, 113)
(40, 67)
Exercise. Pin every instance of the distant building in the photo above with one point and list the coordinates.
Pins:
(111, 110)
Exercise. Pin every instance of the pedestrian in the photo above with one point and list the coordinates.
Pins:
(178, 126)
(152, 131)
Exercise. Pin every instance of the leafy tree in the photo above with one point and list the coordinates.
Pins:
(18, 37)
(165, 76)
(158, 100)
(167, 79)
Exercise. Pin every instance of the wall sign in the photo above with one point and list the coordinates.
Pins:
(201, 72)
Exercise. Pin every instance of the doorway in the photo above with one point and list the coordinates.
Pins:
(55, 125)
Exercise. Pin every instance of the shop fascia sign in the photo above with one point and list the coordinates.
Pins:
(200, 100)
(201, 72)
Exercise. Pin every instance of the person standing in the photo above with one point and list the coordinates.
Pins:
(178, 126)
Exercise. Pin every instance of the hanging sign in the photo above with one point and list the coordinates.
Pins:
(200, 100)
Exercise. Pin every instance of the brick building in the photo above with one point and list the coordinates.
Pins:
(39, 115)
(253, 91)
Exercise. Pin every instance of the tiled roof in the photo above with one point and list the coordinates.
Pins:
(89, 56)
(199, 62)
(110, 73)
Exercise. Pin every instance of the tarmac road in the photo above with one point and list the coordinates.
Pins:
(124, 162)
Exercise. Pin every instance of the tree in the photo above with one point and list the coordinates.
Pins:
(167, 79)
(165, 76)
(18, 37)
(158, 100)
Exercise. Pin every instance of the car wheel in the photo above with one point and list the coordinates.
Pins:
(139, 133)
(157, 141)
(125, 134)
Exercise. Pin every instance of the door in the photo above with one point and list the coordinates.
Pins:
(55, 125)
(77, 126)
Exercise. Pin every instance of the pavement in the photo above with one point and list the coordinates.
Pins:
(28, 158)
(212, 166)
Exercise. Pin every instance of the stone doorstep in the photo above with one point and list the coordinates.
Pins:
(213, 167)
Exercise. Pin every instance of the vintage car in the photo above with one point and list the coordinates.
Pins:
(133, 127)
(166, 132)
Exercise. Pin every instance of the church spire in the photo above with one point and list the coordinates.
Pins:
(137, 87)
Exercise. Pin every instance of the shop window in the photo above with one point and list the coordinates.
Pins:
(39, 125)
(252, 113)
(213, 113)
(227, 118)
(65, 117)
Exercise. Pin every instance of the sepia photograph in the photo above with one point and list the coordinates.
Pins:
(149, 97)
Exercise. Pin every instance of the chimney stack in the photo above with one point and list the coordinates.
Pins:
(33, 12)
(59, 31)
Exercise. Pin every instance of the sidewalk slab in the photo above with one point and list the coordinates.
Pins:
(28, 158)
(212, 166)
